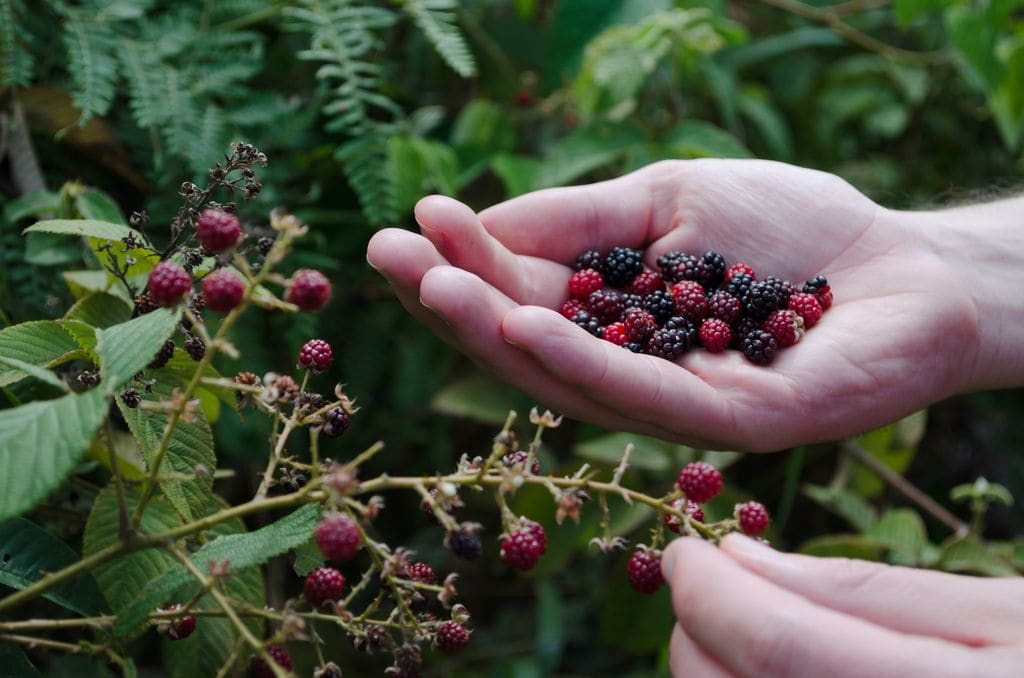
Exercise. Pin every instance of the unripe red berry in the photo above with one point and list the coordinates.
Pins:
(521, 549)
(700, 481)
(168, 283)
(451, 637)
(752, 517)
(338, 538)
(309, 289)
(279, 654)
(316, 354)
(181, 627)
(323, 584)
(807, 307)
(422, 573)
(218, 230)
(222, 290)
(582, 283)
(644, 570)
(687, 506)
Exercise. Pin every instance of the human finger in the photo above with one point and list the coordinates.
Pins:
(688, 660)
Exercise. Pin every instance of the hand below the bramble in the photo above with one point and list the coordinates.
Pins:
(747, 610)
(488, 284)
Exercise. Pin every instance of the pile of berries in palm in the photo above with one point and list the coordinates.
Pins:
(690, 301)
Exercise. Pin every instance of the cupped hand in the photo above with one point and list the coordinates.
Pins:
(747, 610)
(901, 333)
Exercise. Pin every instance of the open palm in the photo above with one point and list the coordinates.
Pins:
(901, 333)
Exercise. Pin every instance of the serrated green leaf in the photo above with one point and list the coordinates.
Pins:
(241, 550)
(123, 579)
(104, 230)
(308, 557)
(583, 151)
(84, 337)
(700, 139)
(847, 505)
(84, 283)
(127, 348)
(43, 343)
(969, 555)
(27, 552)
(100, 310)
(41, 442)
(903, 531)
(844, 546)
(98, 206)
(45, 376)
(648, 453)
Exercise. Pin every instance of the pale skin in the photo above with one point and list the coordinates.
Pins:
(927, 304)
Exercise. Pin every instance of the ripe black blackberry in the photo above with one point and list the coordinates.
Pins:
(739, 284)
(634, 346)
(759, 347)
(588, 322)
(622, 265)
(163, 356)
(606, 305)
(761, 300)
(693, 268)
(195, 347)
(783, 288)
(668, 264)
(465, 543)
(724, 306)
(336, 421)
(590, 259)
(630, 300)
(715, 263)
(131, 398)
(741, 329)
(668, 344)
(684, 325)
(815, 284)
(263, 246)
(661, 305)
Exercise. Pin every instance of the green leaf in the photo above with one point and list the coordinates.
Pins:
(27, 552)
(893, 445)
(100, 310)
(479, 397)
(43, 343)
(700, 139)
(908, 10)
(181, 367)
(98, 206)
(641, 630)
(241, 550)
(903, 531)
(969, 555)
(45, 376)
(47, 249)
(31, 204)
(418, 167)
(844, 546)
(516, 172)
(191, 446)
(583, 151)
(127, 348)
(437, 20)
(308, 557)
(847, 505)
(123, 579)
(41, 442)
(83, 283)
(104, 230)
(15, 663)
(648, 453)
(551, 623)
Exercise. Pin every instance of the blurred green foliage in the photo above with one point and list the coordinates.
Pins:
(365, 106)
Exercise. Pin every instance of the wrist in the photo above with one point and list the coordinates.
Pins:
(983, 249)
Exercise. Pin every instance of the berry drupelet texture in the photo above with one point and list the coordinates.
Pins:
(335, 422)
(196, 348)
(786, 326)
(451, 637)
(639, 325)
(752, 518)
(323, 584)
(645, 283)
(590, 259)
(583, 283)
(687, 506)
(660, 305)
(168, 283)
(760, 347)
(724, 306)
(222, 290)
(338, 538)
(279, 654)
(316, 354)
(616, 334)
(622, 265)
(605, 305)
(668, 343)
(689, 300)
(738, 269)
(807, 307)
(589, 323)
(422, 573)
(163, 356)
(522, 549)
(739, 285)
(715, 263)
(465, 543)
(715, 335)
(309, 289)
(700, 481)
(644, 571)
(571, 307)
(180, 627)
(218, 230)
(761, 300)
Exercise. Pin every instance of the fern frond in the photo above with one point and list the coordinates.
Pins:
(209, 138)
(437, 20)
(182, 111)
(92, 62)
(16, 62)
(146, 84)
(366, 165)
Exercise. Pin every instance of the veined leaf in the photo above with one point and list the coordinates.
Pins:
(27, 552)
(100, 310)
(43, 343)
(43, 375)
(127, 348)
(104, 230)
(41, 442)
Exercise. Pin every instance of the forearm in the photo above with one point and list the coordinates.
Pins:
(983, 245)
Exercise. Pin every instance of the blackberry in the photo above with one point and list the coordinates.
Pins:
(279, 654)
(815, 285)
(316, 354)
(759, 347)
(739, 285)
(692, 268)
(451, 637)
(605, 305)
(690, 302)
(639, 325)
(715, 263)
(323, 584)
(308, 289)
(622, 265)
(741, 329)
(668, 344)
(195, 347)
(668, 263)
(337, 422)
(783, 288)
(631, 300)
(660, 305)
(218, 231)
(131, 398)
(724, 306)
(465, 543)
(684, 325)
(263, 246)
(163, 356)
(590, 259)
(588, 322)
(644, 570)
(761, 300)
(634, 346)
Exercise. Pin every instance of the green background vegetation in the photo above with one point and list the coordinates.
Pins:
(365, 106)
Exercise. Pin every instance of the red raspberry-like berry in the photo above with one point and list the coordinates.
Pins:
(807, 307)
(521, 549)
(606, 305)
(222, 290)
(724, 306)
(451, 637)
(518, 458)
(572, 307)
(422, 573)
(752, 517)
(168, 283)
(323, 584)
(645, 283)
(539, 533)
(615, 333)
(825, 299)
(639, 325)
(687, 506)
(181, 627)
(218, 231)
(644, 570)
(736, 269)
(338, 538)
(316, 354)
(715, 335)
(309, 289)
(690, 300)
(582, 283)
(259, 668)
(819, 287)
(786, 326)
(700, 481)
